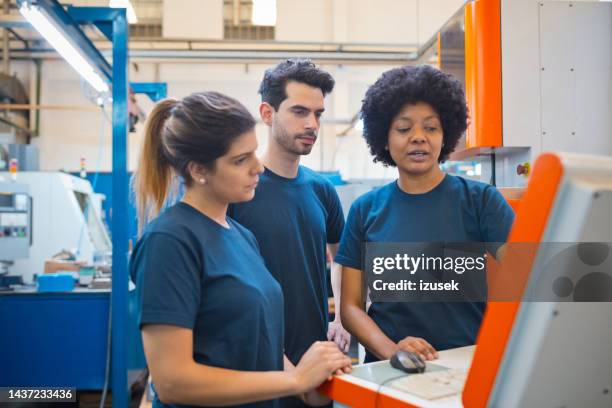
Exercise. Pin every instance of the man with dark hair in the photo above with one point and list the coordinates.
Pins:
(296, 213)
(273, 87)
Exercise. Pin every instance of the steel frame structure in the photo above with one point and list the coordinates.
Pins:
(112, 22)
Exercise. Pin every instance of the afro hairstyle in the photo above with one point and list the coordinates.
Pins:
(411, 85)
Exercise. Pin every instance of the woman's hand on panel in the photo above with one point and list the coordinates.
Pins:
(419, 346)
(318, 364)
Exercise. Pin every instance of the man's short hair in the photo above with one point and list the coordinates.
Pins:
(274, 84)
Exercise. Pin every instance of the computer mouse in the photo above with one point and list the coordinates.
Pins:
(407, 362)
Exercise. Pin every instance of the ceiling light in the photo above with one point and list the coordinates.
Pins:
(50, 32)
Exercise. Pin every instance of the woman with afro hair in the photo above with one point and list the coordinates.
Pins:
(413, 119)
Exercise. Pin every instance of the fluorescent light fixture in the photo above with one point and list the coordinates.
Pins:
(264, 12)
(65, 48)
(126, 4)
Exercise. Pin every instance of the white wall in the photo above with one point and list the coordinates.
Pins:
(363, 21)
(67, 135)
(382, 21)
(193, 19)
(304, 20)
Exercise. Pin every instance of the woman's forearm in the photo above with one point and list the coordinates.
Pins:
(312, 398)
(203, 385)
(367, 332)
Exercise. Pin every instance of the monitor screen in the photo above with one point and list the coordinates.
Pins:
(6, 200)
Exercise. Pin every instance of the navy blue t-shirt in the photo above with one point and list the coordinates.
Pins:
(192, 272)
(293, 220)
(456, 210)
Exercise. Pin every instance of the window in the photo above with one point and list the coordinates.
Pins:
(149, 13)
(249, 19)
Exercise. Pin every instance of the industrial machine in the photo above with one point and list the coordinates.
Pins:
(544, 86)
(15, 228)
(66, 217)
(522, 354)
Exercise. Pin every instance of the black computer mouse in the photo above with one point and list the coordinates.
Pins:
(407, 362)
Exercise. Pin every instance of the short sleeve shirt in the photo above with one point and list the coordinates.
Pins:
(192, 272)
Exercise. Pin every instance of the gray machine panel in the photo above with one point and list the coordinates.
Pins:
(15, 221)
(560, 353)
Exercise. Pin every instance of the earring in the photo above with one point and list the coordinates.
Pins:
(386, 147)
(202, 181)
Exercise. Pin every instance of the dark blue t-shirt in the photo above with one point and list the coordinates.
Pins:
(293, 220)
(194, 273)
(456, 210)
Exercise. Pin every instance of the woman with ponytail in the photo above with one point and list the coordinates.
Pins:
(211, 315)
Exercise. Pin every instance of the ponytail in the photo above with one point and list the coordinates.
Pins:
(200, 128)
(153, 178)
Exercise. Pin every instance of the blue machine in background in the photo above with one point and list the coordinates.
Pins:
(60, 339)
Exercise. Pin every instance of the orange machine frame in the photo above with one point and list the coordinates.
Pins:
(483, 77)
(496, 328)
(529, 225)
(514, 203)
